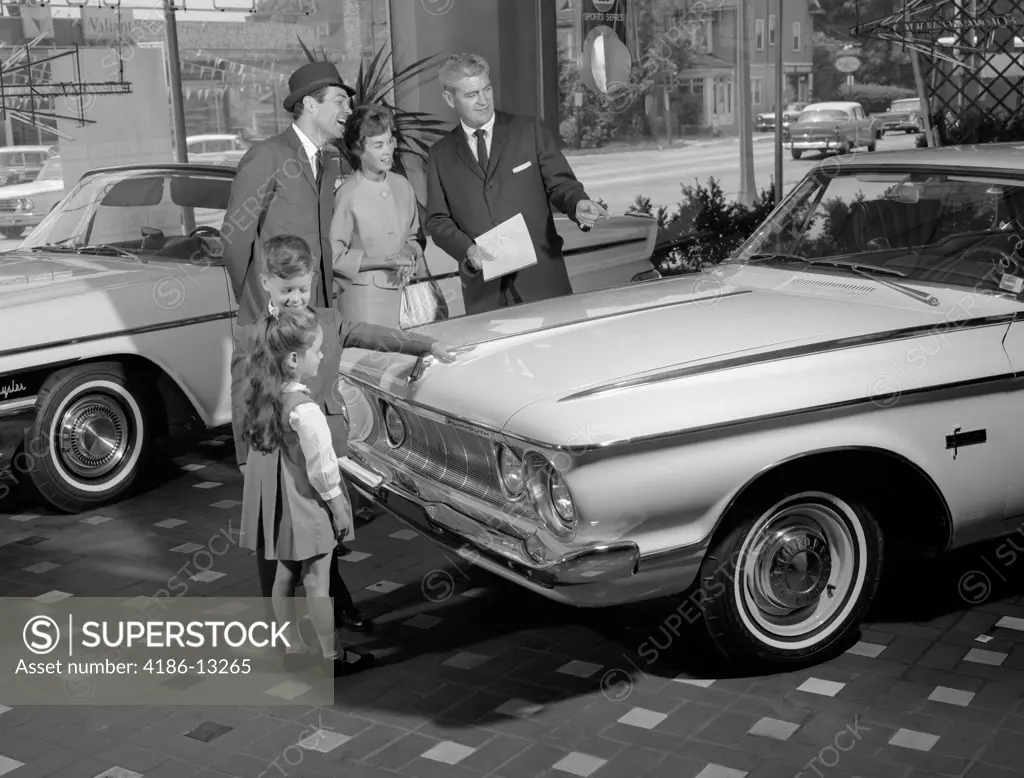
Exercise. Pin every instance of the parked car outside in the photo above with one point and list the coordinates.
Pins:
(902, 115)
(25, 205)
(765, 122)
(832, 128)
(745, 439)
(23, 163)
(216, 149)
(117, 319)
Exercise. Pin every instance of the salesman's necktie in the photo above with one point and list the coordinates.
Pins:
(481, 150)
(318, 161)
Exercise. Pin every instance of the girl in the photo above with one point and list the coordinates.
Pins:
(292, 464)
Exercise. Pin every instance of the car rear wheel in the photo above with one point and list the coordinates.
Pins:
(797, 153)
(90, 437)
(792, 579)
(12, 232)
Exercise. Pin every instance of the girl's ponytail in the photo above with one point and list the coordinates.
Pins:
(279, 333)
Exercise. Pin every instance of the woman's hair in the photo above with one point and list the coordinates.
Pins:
(366, 121)
(278, 335)
(287, 256)
(460, 66)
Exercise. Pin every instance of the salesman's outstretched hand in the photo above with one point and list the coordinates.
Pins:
(588, 212)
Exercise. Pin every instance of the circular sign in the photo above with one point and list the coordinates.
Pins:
(604, 6)
(604, 60)
(847, 64)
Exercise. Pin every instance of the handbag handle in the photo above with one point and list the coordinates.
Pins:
(410, 279)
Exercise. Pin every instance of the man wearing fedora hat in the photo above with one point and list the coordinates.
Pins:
(284, 185)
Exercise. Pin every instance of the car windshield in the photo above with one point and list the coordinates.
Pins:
(149, 213)
(824, 115)
(904, 105)
(934, 227)
(51, 170)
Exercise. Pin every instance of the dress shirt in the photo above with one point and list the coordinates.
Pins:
(309, 147)
(488, 136)
(310, 425)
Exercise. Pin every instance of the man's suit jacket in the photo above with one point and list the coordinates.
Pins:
(275, 179)
(526, 173)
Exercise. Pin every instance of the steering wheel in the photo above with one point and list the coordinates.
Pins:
(203, 229)
(1004, 259)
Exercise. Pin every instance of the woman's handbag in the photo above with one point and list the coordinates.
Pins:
(422, 302)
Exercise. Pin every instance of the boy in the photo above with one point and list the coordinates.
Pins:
(287, 276)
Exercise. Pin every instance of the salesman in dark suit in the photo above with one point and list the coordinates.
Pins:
(284, 185)
(490, 167)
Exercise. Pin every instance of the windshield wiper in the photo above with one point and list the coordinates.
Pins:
(104, 248)
(872, 272)
(780, 256)
(867, 271)
(55, 248)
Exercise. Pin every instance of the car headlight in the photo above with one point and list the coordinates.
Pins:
(25, 204)
(550, 496)
(394, 427)
(510, 472)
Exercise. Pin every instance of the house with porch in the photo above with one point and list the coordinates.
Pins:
(705, 94)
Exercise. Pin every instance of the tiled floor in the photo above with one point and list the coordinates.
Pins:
(478, 678)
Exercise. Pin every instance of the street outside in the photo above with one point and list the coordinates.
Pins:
(477, 677)
(618, 177)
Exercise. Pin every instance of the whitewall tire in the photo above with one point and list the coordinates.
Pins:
(790, 579)
(90, 438)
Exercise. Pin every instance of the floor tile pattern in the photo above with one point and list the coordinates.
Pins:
(478, 678)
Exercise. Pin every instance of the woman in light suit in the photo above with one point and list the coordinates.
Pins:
(375, 242)
(376, 223)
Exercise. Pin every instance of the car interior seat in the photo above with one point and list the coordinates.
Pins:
(880, 224)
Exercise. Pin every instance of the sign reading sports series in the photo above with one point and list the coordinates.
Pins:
(605, 61)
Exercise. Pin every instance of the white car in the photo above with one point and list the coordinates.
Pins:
(25, 205)
(751, 435)
(216, 149)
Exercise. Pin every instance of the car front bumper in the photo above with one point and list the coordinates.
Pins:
(15, 219)
(586, 577)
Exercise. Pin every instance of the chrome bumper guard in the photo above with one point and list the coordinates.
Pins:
(492, 550)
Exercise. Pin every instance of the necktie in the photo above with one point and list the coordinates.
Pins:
(318, 162)
(481, 150)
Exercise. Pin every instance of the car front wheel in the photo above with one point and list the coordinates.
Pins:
(791, 580)
(89, 439)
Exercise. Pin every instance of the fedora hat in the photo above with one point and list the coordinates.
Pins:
(311, 77)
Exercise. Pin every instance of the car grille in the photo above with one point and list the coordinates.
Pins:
(445, 454)
(8, 206)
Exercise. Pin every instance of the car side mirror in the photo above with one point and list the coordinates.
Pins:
(646, 275)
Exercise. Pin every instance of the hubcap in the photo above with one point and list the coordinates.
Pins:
(798, 567)
(94, 436)
(794, 568)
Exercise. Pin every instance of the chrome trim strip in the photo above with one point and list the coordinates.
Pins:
(844, 404)
(10, 407)
(793, 352)
(171, 325)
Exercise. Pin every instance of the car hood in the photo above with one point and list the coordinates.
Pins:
(549, 350)
(31, 188)
(28, 278)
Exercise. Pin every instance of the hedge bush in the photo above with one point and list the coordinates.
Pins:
(704, 229)
(976, 125)
(875, 98)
